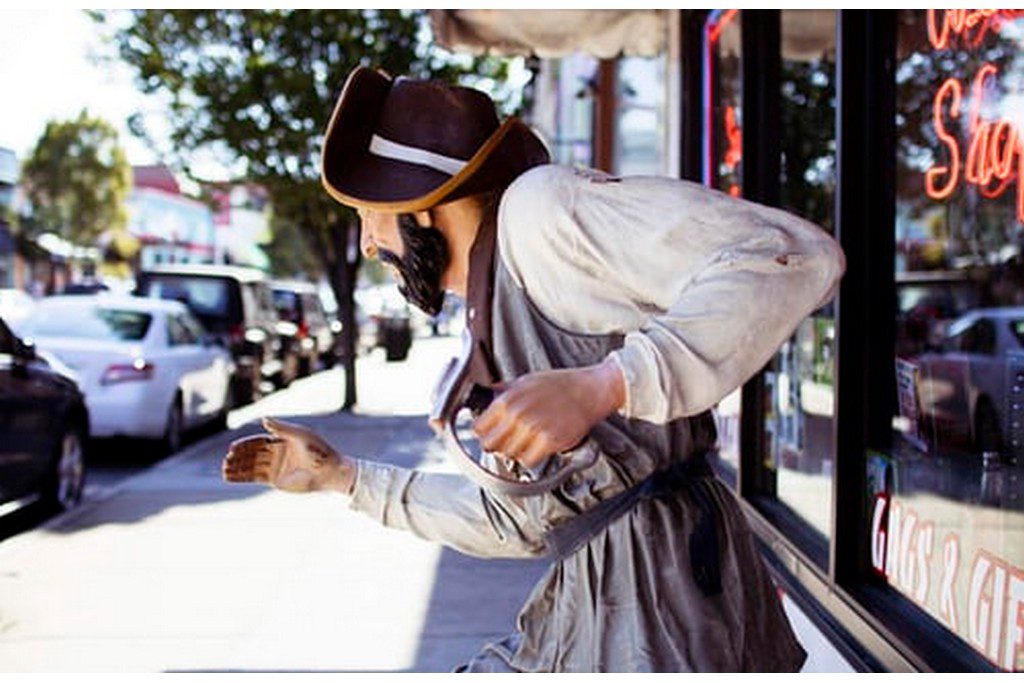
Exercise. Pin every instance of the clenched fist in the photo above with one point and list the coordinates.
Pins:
(290, 458)
(543, 413)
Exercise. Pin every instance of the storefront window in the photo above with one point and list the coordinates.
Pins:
(640, 125)
(566, 107)
(723, 154)
(800, 379)
(947, 503)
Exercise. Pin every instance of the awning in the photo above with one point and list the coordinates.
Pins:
(551, 33)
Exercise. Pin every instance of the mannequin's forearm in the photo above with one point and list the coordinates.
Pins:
(341, 478)
(445, 508)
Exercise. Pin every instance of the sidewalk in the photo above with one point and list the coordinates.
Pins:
(176, 571)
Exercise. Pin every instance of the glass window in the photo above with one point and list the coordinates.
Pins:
(723, 78)
(287, 304)
(7, 343)
(205, 295)
(723, 151)
(194, 327)
(564, 106)
(640, 128)
(947, 510)
(78, 321)
(178, 334)
(800, 379)
(313, 312)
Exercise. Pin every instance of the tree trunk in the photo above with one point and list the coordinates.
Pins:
(342, 270)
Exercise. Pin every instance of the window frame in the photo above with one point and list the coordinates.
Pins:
(843, 597)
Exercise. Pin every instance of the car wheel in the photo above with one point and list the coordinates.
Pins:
(68, 479)
(397, 349)
(174, 429)
(987, 433)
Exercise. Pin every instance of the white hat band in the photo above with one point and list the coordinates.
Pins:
(389, 149)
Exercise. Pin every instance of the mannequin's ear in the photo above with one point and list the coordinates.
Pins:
(424, 219)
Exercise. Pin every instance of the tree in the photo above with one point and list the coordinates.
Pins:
(259, 87)
(78, 179)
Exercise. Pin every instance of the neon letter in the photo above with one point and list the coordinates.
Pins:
(953, 89)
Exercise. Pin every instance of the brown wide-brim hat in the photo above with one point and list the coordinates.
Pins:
(403, 145)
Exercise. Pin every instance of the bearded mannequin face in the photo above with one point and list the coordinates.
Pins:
(420, 268)
(427, 250)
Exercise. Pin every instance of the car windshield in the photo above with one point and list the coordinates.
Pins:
(89, 322)
(287, 304)
(1018, 330)
(206, 296)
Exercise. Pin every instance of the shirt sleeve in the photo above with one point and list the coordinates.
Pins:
(704, 286)
(446, 508)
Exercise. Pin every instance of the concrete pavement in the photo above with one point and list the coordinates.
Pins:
(173, 570)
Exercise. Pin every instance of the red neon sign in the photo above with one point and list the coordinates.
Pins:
(734, 152)
(962, 22)
(995, 149)
(713, 31)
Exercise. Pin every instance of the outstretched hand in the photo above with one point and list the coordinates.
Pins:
(543, 413)
(290, 458)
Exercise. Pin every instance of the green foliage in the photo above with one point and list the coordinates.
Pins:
(807, 138)
(259, 86)
(289, 251)
(78, 179)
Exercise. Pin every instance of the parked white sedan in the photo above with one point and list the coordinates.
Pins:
(145, 365)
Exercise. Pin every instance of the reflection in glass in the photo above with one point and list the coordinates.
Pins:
(640, 125)
(947, 516)
(723, 76)
(799, 380)
(723, 140)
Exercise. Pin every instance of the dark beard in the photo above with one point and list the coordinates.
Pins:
(421, 268)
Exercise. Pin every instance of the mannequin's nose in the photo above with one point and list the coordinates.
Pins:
(366, 244)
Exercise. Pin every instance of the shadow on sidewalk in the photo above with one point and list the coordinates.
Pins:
(193, 477)
(473, 602)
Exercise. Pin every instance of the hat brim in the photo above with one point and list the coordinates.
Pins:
(355, 177)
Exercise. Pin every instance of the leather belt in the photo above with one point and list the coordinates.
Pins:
(682, 476)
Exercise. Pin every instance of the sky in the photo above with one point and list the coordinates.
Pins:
(46, 72)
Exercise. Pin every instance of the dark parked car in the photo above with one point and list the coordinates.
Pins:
(234, 305)
(43, 428)
(304, 324)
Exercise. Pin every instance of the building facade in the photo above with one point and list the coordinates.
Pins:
(171, 227)
(878, 455)
(879, 451)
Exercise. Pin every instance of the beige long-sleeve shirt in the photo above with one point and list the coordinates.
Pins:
(705, 288)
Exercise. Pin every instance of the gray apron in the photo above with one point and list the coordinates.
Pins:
(626, 597)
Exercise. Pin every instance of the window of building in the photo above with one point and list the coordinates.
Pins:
(564, 107)
(723, 154)
(800, 380)
(640, 123)
(947, 514)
